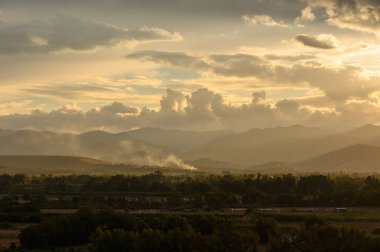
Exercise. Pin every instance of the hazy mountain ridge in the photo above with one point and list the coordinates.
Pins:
(121, 148)
(176, 140)
(284, 144)
(257, 136)
(288, 150)
(365, 131)
(354, 158)
(281, 148)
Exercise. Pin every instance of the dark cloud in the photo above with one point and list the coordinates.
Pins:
(322, 41)
(178, 59)
(65, 32)
(66, 91)
(336, 81)
(360, 15)
(288, 107)
(183, 9)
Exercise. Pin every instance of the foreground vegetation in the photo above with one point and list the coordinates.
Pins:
(200, 191)
(111, 231)
(155, 212)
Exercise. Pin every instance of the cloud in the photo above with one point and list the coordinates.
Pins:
(154, 10)
(201, 110)
(71, 33)
(307, 14)
(119, 108)
(337, 81)
(178, 59)
(239, 65)
(66, 91)
(263, 20)
(359, 15)
(7, 107)
(172, 101)
(321, 41)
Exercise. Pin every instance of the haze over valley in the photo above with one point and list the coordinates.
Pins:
(270, 150)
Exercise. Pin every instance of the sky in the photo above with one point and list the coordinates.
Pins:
(80, 65)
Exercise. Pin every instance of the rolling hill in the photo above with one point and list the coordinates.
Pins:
(356, 158)
(53, 165)
(65, 165)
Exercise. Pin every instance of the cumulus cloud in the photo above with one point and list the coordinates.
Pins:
(258, 96)
(172, 101)
(321, 41)
(71, 33)
(307, 14)
(360, 15)
(119, 108)
(201, 110)
(336, 81)
(263, 20)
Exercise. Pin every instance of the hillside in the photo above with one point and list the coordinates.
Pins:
(355, 158)
(53, 165)
(64, 165)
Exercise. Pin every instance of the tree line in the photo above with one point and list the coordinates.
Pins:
(199, 191)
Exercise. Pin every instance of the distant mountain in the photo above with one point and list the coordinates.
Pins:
(120, 148)
(150, 147)
(29, 142)
(365, 132)
(282, 144)
(175, 140)
(256, 136)
(272, 149)
(355, 158)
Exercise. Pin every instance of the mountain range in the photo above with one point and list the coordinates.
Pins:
(281, 149)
